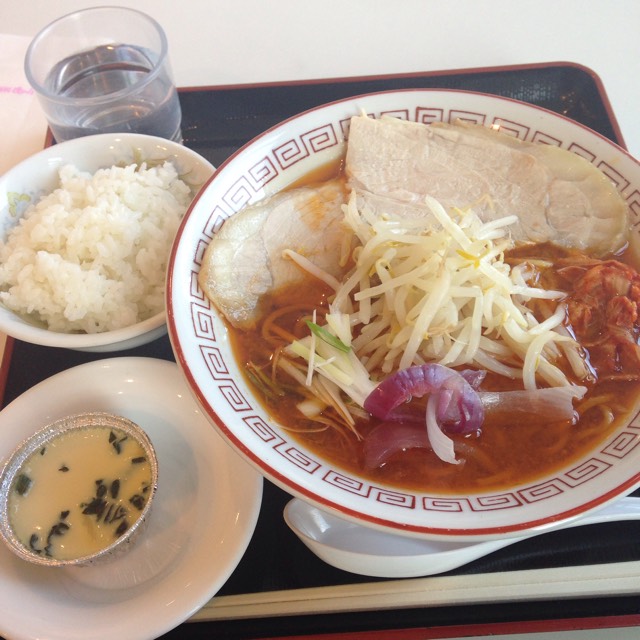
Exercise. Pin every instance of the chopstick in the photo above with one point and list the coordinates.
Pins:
(590, 581)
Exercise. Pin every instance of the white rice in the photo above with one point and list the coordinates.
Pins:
(92, 255)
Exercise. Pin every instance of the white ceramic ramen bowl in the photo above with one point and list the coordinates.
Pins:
(203, 348)
(29, 180)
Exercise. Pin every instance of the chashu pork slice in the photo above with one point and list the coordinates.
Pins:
(557, 195)
(245, 260)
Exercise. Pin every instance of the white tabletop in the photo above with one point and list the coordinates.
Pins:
(242, 41)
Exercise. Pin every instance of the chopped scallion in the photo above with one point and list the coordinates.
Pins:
(329, 338)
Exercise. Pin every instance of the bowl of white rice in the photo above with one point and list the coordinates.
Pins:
(86, 229)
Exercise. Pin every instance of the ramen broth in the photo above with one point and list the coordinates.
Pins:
(506, 451)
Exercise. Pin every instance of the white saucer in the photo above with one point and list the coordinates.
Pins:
(199, 528)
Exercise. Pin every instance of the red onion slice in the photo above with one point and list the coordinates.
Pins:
(459, 407)
(408, 431)
(389, 438)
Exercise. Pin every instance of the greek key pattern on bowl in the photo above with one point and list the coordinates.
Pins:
(633, 200)
(520, 131)
(543, 490)
(581, 151)
(427, 115)
(240, 193)
(445, 505)
(467, 116)
(394, 498)
(264, 430)
(200, 251)
(216, 365)
(401, 114)
(542, 138)
(232, 394)
(262, 173)
(622, 444)
(621, 183)
(290, 152)
(214, 222)
(203, 325)
(586, 471)
(197, 294)
(298, 457)
(346, 483)
(495, 501)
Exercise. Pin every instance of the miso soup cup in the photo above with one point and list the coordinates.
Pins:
(101, 505)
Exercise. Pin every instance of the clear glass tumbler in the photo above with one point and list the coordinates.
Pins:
(104, 70)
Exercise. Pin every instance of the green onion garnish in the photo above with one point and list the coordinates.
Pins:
(327, 337)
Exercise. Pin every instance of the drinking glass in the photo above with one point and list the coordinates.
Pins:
(104, 70)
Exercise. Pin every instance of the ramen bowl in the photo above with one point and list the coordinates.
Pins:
(78, 492)
(204, 350)
(23, 186)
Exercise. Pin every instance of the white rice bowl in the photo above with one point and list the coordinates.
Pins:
(91, 255)
(87, 227)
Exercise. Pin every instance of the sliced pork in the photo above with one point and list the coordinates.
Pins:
(557, 195)
(245, 260)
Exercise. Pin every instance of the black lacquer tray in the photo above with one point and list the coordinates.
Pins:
(280, 588)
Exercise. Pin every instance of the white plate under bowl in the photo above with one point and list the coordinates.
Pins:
(203, 517)
(200, 339)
